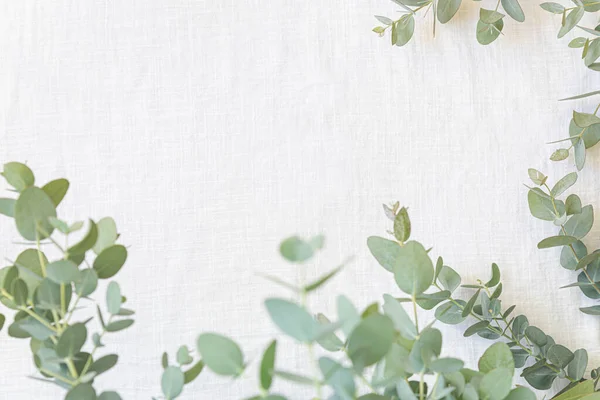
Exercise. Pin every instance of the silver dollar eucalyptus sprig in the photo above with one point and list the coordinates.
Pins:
(549, 360)
(489, 27)
(570, 18)
(44, 289)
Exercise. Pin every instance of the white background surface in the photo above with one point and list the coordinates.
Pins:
(211, 129)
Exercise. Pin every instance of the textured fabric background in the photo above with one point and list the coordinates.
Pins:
(212, 129)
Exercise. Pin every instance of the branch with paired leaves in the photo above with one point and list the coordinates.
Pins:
(409, 262)
(489, 27)
(47, 291)
(570, 18)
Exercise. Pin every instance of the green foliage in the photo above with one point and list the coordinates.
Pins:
(488, 29)
(46, 294)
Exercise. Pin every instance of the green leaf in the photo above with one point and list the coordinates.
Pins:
(267, 366)
(477, 327)
(32, 209)
(107, 234)
(450, 313)
(113, 298)
(552, 7)
(164, 360)
(559, 355)
(487, 33)
(584, 120)
(348, 314)
(62, 271)
(71, 341)
(581, 96)
(296, 250)
(292, 319)
(110, 261)
(370, 341)
(403, 30)
(539, 375)
(446, 9)
(20, 292)
(580, 224)
(183, 356)
(104, 363)
(7, 207)
(519, 326)
(119, 325)
(87, 242)
(594, 310)
(110, 395)
(521, 393)
(542, 207)
(469, 306)
(428, 301)
(402, 322)
(193, 372)
(497, 355)
(495, 276)
(449, 279)
(556, 241)
(414, 271)
(402, 225)
(86, 282)
(573, 17)
(578, 391)
(322, 280)
(340, 379)
(513, 8)
(56, 190)
(496, 384)
(536, 176)
(384, 20)
(83, 391)
(221, 354)
(565, 183)
(317, 242)
(446, 365)
(489, 16)
(172, 382)
(386, 252)
(579, 151)
(292, 377)
(18, 176)
(536, 335)
(573, 204)
(585, 261)
(576, 368)
(330, 342)
(559, 155)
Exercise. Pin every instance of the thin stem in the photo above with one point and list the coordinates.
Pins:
(414, 301)
(60, 378)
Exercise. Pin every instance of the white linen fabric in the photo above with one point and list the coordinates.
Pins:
(212, 129)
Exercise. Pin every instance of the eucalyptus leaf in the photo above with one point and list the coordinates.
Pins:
(296, 250)
(573, 17)
(267, 366)
(220, 354)
(292, 319)
(110, 261)
(446, 9)
(414, 270)
(32, 210)
(565, 183)
(576, 368)
(172, 382)
(18, 175)
(56, 190)
(513, 8)
(556, 241)
(553, 7)
(370, 341)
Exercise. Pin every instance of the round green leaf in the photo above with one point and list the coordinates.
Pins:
(107, 234)
(18, 175)
(446, 365)
(32, 209)
(446, 10)
(521, 393)
(83, 391)
(414, 271)
(292, 319)
(296, 250)
(71, 341)
(104, 363)
(20, 291)
(497, 355)
(86, 282)
(450, 313)
(172, 382)
(536, 335)
(339, 378)
(559, 355)
(119, 325)
(110, 261)
(370, 340)
(221, 354)
(109, 396)
(183, 356)
(56, 190)
(386, 252)
(7, 207)
(576, 368)
(487, 33)
(496, 384)
(62, 271)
